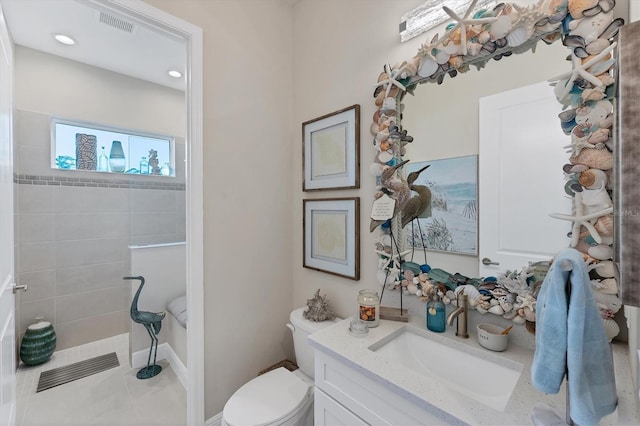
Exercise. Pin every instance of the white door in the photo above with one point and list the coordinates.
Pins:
(521, 179)
(7, 299)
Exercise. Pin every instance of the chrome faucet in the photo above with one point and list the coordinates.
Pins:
(461, 313)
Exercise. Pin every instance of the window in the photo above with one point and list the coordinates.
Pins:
(82, 146)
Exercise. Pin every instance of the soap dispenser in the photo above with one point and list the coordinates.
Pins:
(436, 318)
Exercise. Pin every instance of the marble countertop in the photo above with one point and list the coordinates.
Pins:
(336, 341)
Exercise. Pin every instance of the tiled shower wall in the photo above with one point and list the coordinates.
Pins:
(73, 230)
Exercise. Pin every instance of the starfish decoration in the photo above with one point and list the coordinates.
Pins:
(392, 258)
(580, 219)
(530, 15)
(581, 70)
(461, 23)
(391, 80)
(426, 48)
(527, 302)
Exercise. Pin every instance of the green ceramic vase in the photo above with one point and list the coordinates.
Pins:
(38, 343)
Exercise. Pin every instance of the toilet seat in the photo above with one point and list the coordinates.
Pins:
(272, 398)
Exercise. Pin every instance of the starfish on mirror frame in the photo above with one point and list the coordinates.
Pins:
(580, 219)
(580, 70)
(391, 80)
(461, 23)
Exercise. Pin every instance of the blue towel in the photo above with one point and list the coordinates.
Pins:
(571, 338)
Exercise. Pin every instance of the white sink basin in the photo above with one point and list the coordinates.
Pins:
(476, 373)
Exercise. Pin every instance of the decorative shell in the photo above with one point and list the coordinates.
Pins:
(473, 295)
(593, 179)
(605, 269)
(600, 252)
(595, 158)
(496, 309)
(518, 319)
(597, 46)
(591, 28)
(428, 66)
(500, 27)
(611, 328)
(606, 286)
(608, 301)
(518, 36)
(576, 7)
(318, 309)
(604, 225)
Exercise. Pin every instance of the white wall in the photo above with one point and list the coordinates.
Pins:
(50, 84)
(248, 96)
(164, 268)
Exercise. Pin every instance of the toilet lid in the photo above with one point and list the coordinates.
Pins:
(266, 399)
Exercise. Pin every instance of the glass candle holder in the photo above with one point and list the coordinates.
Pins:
(369, 307)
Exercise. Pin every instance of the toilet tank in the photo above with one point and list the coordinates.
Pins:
(301, 328)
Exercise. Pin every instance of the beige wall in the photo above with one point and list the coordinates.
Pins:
(248, 94)
(340, 48)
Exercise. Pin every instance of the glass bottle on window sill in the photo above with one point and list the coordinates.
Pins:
(144, 166)
(103, 161)
(165, 170)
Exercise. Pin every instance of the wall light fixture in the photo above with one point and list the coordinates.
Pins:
(430, 15)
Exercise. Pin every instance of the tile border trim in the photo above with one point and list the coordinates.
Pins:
(94, 182)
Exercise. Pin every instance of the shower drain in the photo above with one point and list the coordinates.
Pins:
(78, 370)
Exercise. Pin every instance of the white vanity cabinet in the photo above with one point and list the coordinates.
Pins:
(348, 395)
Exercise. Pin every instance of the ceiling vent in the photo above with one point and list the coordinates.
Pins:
(115, 22)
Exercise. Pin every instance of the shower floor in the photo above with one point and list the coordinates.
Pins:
(111, 397)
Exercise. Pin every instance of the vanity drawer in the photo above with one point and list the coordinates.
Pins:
(327, 412)
(369, 399)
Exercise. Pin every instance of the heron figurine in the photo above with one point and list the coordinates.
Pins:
(417, 205)
(152, 322)
(389, 185)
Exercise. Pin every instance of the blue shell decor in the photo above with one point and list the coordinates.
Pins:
(587, 29)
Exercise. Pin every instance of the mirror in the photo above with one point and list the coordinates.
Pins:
(444, 121)
(584, 91)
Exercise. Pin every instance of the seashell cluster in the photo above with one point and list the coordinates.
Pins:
(587, 29)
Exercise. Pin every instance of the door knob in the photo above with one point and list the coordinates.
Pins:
(17, 288)
(487, 261)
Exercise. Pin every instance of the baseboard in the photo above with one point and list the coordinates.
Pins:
(165, 351)
(214, 421)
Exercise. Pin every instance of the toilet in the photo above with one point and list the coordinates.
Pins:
(279, 397)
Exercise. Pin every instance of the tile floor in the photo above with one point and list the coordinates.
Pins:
(112, 397)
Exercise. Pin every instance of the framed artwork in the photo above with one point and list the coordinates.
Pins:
(331, 148)
(452, 225)
(331, 236)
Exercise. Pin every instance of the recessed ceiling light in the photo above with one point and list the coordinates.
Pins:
(64, 39)
(175, 73)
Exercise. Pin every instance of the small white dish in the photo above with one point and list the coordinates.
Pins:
(358, 328)
(489, 337)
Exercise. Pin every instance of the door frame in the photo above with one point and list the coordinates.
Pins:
(8, 355)
(193, 37)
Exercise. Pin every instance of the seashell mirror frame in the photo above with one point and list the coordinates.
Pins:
(587, 28)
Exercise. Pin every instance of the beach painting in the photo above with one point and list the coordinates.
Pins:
(453, 223)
